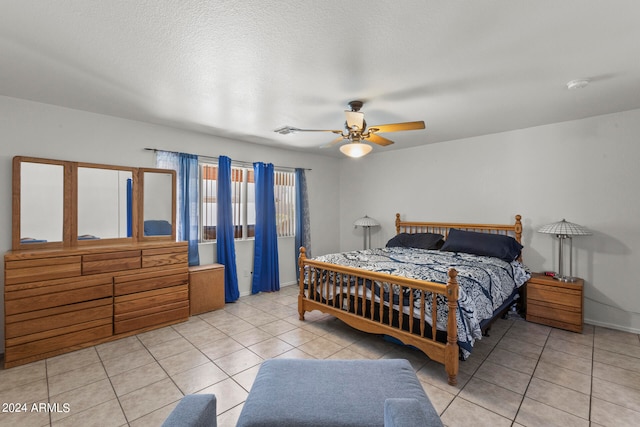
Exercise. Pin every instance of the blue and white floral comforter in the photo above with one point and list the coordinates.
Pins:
(485, 282)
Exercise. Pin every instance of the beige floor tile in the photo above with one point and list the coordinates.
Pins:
(461, 412)
(585, 338)
(372, 347)
(526, 349)
(262, 318)
(24, 419)
(533, 413)
(170, 348)
(512, 360)
(228, 393)
(271, 347)
(563, 377)
(198, 378)
(150, 398)
(236, 327)
(76, 378)
(297, 337)
(247, 377)
(204, 337)
(439, 398)
(238, 361)
(277, 327)
(252, 336)
(140, 377)
(119, 347)
(76, 359)
(25, 374)
(83, 398)
(503, 376)
(193, 325)
(230, 418)
(559, 397)
(531, 336)
(616, 359)
(578, 350)
(321, 348)
(616, 375)
(221, 348)
(493, 397)
(183, 361)
(617, 346)
(566, 360)
(107, 414)
(345, 354)
(433, 373)
(608, 414)
(155, 418)
(120, 364)
(618, 336)
(158, 336)
(618, 394)
(294, 353)
(35, 391)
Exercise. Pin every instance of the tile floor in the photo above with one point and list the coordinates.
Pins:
(523, 374)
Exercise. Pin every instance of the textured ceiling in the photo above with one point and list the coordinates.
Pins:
(242, 68)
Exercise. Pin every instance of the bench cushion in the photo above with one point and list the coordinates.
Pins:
(302, 392)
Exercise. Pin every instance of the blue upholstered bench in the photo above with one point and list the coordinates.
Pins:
(299, 392)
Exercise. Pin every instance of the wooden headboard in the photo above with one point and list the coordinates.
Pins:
(411, 227)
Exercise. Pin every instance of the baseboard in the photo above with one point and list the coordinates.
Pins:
(611, 326)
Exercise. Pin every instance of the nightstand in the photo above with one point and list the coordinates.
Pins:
(555, 303)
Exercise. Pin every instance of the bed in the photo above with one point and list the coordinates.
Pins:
(435, 286)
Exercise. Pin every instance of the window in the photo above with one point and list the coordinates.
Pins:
(243, 202)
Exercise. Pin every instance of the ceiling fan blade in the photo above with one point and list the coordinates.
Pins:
(354, 118)
(395, 127)
(377, 139)
(285, 130)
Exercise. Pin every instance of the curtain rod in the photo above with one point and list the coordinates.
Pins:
(237, 162)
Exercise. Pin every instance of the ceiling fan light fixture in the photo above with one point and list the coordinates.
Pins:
(355, 149)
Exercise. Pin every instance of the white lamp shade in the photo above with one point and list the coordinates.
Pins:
(564, 228)
(365, 221)
(356, 149)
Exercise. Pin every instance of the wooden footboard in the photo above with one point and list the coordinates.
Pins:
(357, 297)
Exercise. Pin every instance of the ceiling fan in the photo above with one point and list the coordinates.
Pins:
(356, 131)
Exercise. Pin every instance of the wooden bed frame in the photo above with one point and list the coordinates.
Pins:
(328, 295)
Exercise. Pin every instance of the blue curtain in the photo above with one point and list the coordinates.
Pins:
(186, 167)
(266, 275)
(303, 229)
(224, 231)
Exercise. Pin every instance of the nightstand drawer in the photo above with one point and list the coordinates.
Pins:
(571, 315)
(554, 295)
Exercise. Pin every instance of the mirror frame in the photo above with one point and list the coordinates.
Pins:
(67, 203)
(141, 172)
(70, 205)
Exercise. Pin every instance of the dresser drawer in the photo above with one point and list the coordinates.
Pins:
(144, 309)
(110, 262)
(36, 296)
(33, 270)
(165, 256)
(130, 284)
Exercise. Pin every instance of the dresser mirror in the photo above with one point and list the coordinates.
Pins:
(39, 205)
(64, 204)
(158, 203)
(105, 203)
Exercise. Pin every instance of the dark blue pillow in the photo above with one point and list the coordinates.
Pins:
(416, 240)
(157, 227)
(496, 245)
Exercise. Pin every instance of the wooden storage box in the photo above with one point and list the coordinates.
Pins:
(206, 288)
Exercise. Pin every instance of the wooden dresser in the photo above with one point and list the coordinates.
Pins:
(60, 300)
(555, 303)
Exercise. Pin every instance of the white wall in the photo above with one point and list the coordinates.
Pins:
(585, 171)
(40, 130)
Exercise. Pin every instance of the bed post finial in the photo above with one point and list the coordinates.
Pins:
(518, 228)
(398, 223)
